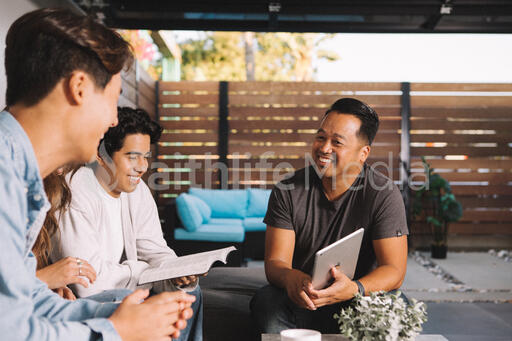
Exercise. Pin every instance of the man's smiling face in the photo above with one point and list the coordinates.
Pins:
(129, 163)
(338, 150)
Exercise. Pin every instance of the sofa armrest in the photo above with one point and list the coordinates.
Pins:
(169, 220)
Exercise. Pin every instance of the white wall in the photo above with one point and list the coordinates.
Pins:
(9, 11)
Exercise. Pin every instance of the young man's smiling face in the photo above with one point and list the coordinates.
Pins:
(338, 150)
(128, 164)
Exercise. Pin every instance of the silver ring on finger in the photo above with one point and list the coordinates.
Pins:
(80, 270)
(79, 262)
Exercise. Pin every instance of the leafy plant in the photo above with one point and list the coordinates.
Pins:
(436, 199)
(381, 317)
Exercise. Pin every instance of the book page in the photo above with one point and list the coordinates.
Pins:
(195, 264)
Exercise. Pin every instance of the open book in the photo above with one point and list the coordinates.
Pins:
(196, 264)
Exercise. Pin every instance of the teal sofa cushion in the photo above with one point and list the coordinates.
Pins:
(188, 212)
(258, 202)
(224, 203)
(254, 224)
(213, 233)
(225, 221)
(204, 209)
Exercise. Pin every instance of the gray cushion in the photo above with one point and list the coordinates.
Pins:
(227, 293)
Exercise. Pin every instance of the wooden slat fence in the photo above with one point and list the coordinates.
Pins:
(138, 90)
(188, 147)
(272, 126)
(465, 131)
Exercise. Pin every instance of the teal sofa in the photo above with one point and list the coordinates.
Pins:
(224, 216)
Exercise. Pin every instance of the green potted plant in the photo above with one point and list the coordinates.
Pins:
(436, 199)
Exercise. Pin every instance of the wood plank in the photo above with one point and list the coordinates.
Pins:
(474, 201)
(462, 138)
(147, 91)
(292, 150)
(196, 176)
(124, 102)
(188, 164)
(460, 101)
(464, 228)
(273, 99)
(489, 87)
(481, 190)
(187, 150)
(300, 137)
(244, 175)
(189, 99)
(297, 163)
(473, 151)
(128, 76)
(259, 185)
(238, 137)
(174, 181)
(242, 112)
(190, 137)
(190, 124)
(480, 229)
(296, 124)
(255, 150)
(237, 111)
(310, 86)
(145, 77)
(267, 163)
(210, 86)
(442, 124)
(470, 163)
(488, 113)
(177, 183)
(148, 106)
(490, 215)
(201, 111)
(492, 178)
(129, 92)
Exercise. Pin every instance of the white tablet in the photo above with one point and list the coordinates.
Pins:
(343, 253)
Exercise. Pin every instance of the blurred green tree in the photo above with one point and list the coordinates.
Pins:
(237, 56)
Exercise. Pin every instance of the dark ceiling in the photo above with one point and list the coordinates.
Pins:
(413, 16)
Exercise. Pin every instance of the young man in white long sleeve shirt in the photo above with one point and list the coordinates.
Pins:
(113, 220)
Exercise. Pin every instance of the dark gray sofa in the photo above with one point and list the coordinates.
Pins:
(227, 292)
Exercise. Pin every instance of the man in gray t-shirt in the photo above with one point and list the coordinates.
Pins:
(321, 204)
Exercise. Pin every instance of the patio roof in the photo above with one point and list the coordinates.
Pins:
(375, 16)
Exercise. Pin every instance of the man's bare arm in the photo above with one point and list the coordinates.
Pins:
(279, 248)
(391, 256)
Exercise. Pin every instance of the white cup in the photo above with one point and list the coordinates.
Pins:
(300, 335)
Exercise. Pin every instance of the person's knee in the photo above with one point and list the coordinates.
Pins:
(268, 308)
(267, 299)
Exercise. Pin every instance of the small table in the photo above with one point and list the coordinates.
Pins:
(338, 337)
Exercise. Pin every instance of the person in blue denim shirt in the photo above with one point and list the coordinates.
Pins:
(63, 83)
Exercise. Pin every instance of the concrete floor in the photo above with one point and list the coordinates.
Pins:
(479, 308)
(480, 314)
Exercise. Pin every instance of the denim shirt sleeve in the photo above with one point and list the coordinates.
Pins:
(28, 309)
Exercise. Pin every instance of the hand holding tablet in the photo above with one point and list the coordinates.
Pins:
(343, 253)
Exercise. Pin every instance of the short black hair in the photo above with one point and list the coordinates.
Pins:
(131, 121)
(47, 45)
(368, 116)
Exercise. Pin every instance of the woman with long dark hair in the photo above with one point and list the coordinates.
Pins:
(68, 270)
